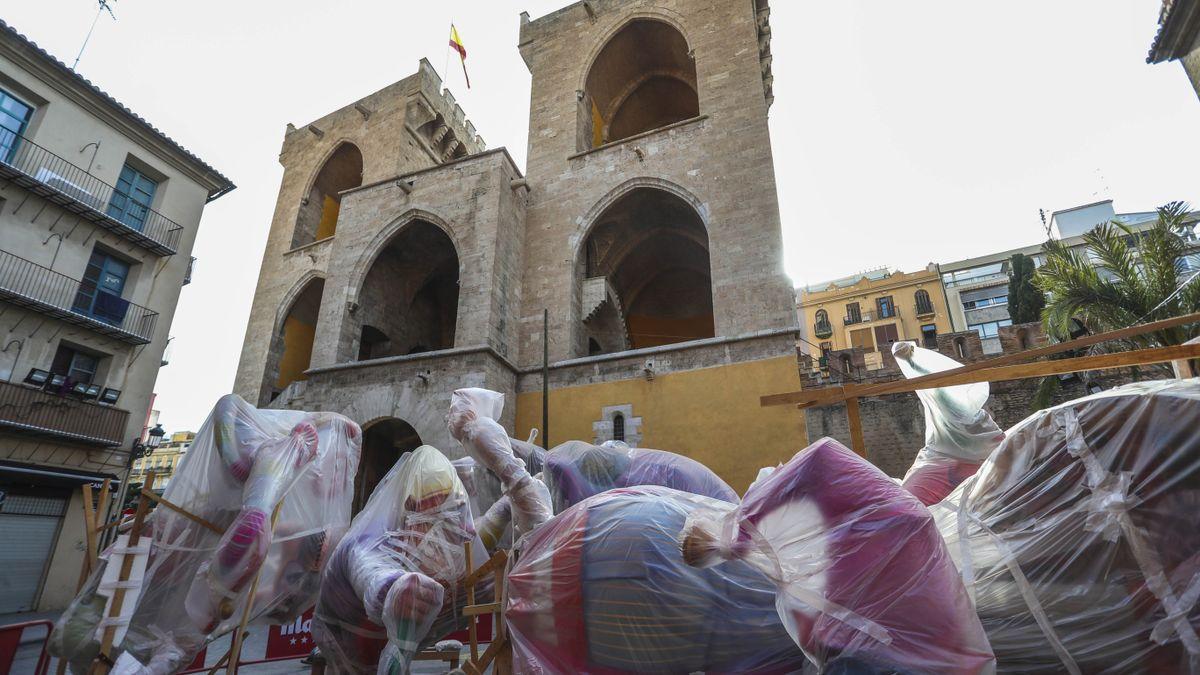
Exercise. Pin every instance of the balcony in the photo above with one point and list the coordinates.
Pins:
(28, 284)
(55, 179)
(924, 310)
(822, 329)
(34, 411)
(868, 317)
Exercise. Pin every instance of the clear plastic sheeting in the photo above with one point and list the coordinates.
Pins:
(473, 423)
(959, 433)
(486, 492)
(602, 588)
(393, 585)
(577, 470)
(1079, 537)
(864, 581)
(245, 468)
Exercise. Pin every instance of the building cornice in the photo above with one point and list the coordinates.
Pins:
(38, 62)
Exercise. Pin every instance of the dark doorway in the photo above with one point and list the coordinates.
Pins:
(384, 442)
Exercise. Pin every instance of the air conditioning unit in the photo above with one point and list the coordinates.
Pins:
(76, 192)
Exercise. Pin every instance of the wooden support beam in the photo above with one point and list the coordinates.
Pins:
(835, 394)
(499, 560)
(854, 419)
(479, 610)
(184, 512)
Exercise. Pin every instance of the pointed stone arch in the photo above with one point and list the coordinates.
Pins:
(640, 77)
(341, 169)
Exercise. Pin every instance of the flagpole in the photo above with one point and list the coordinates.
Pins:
(446, 66)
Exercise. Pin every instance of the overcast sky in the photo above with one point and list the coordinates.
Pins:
(904, 132)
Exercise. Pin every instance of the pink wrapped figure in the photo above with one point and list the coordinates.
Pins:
(864, 581)
(245, 469)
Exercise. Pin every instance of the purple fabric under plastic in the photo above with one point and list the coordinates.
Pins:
(576, 470)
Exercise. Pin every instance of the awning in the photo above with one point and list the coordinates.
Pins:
(12, 472)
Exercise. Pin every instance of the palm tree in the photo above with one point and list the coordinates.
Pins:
(1120, 277)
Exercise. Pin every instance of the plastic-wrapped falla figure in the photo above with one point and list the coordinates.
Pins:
(959, 433)
(1079, 537)
(577, 470)
(864, 581)
(245, 468)
(392, 585)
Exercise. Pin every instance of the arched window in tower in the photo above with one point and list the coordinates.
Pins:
(644, 78)
(291, 349)
(319, 209)
(924, 303)
(409, 298)
(618, 424)
(643, 275)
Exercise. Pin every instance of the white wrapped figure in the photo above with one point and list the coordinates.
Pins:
(278, 484)
(392, 585)
(473, 422)
(959, 433)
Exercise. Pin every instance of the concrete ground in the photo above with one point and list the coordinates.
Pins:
(255, 647)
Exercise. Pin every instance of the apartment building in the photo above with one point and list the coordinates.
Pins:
(98, 214)
(977, 288)
(871, 310)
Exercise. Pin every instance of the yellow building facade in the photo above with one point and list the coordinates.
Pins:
(164, 460)
(872, 310)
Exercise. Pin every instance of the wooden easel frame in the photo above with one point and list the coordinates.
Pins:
(499, 652)
(104, 662)
(1003, 368)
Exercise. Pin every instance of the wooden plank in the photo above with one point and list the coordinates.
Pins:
(103, 662)
(499, 560)
(1014, 372)
(479, 610)
(492, 650)
(927, 381)
(854, 419)
(1021, 371)
(184, 512)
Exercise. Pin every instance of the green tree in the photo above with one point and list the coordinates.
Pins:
(1120, 277)
(1025, 300)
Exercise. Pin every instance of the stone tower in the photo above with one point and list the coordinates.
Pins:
(650, 162)
(406, 261)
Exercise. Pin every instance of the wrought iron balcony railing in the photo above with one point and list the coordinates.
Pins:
(57, 180)
(34, 411)
(26, 283)
(874, 315)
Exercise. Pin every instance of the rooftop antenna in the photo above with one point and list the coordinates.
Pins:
(102, 9)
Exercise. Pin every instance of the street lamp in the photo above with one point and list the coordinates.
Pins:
(153, 440)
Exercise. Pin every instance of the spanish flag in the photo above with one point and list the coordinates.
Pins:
(457, 45)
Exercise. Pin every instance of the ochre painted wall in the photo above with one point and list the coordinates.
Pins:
(711, 415)
(329, 215)
(297, 351)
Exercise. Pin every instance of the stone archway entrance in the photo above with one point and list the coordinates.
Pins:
(385, 441)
